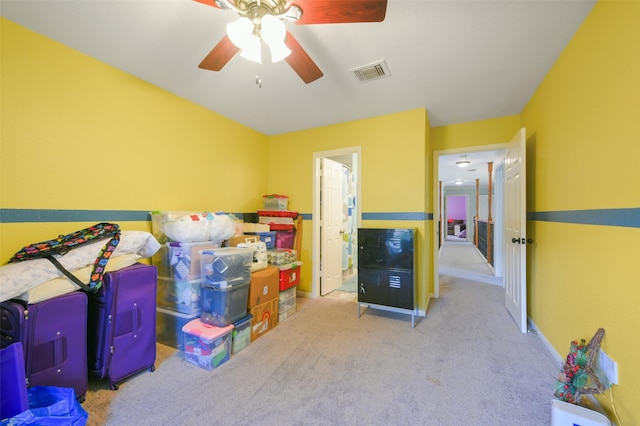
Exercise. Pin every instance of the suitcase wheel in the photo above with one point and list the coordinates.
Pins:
(153, 368)
(115, 386)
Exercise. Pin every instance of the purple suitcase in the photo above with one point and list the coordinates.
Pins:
(13, 382)
(122, 324)
(54, 340)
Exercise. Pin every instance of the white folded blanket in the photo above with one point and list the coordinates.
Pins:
(20, 277)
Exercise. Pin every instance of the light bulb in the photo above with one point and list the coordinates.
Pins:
(240, 32)
(272, 29)
(279, 51)
(252, 50)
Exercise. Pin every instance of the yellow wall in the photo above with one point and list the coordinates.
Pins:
(583, 133)
(475, 133)
(393, 177)
(78, 134)
(75, 111)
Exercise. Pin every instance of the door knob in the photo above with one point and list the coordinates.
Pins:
(521, 241)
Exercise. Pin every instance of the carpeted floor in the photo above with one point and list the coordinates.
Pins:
(465, 363)
(463, 260)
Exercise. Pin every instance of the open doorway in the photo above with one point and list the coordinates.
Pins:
(452, 183)
(456, 217)
(335, 264)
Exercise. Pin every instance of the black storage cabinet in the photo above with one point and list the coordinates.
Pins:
(386, 270)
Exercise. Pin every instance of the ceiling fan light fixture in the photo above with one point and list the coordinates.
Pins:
(273, 33)
(272, 29)
(279, 51)
(252, 51)
(240, 32)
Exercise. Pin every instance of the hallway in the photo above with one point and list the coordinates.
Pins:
(463, 260)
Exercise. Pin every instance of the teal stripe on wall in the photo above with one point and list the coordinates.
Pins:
(607, 217)
(397, 216)
(36, 215)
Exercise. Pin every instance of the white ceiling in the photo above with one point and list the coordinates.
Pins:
(449, 172)
(461, 60)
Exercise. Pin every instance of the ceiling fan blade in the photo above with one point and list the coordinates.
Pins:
(209, 3)
(339, 11)
(219, 55)
(300, 61)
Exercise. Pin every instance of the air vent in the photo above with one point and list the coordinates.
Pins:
(374, 71)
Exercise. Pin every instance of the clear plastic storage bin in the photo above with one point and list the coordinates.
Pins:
(226, 266)
(221, 305)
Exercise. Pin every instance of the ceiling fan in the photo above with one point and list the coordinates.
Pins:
(262, 20)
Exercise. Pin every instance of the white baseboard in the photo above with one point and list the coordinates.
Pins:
(545, 342)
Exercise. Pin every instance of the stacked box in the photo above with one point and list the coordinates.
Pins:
(277, 219)
(280, 256)
(285, 239)
(178, 290)
(224, 290)
(179, 295)
(184, 259)
(221, 306)
(269, 237)
(205, 345)
(169, 327)
(265, 286)
(248, 228)
(287, 303)
(241, 334)
(275, 202)
(265, 318)
(226, 266)
(289, 275)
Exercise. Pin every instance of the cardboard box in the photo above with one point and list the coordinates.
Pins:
(265, 318)
(255, 227)
(265, 285)
(237, 239)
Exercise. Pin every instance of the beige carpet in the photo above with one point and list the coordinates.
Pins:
(465, 363)
(462, 259)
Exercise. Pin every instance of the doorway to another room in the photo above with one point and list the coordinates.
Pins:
(337, 217)
(465, 212)
(456, 217)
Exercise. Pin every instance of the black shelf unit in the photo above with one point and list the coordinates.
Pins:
(386, 270)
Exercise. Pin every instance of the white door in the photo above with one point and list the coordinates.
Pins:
(331, 225)
(515, 196)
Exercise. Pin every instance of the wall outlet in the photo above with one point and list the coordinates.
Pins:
(608, 366)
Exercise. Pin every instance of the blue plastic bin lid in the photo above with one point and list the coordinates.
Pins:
(242, 321)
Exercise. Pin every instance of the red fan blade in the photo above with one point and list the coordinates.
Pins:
(209, 3)
(219, 55)
(300, 61)
(339, 11)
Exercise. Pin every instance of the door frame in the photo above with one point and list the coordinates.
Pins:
(315, 238)
(436, 203)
